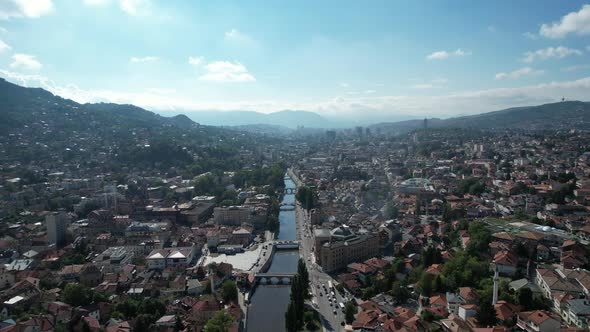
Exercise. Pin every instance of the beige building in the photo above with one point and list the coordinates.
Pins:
(232, 215)
(345, 247)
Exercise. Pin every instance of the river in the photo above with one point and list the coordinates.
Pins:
(268, 305)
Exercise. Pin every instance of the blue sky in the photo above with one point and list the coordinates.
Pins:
(349, 59)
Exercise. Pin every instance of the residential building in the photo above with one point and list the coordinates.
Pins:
(538, 321)
(56, 223)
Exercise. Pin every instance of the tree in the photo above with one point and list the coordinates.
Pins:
(143, 322)
(127, 308)
(349, 312)
(486, 314)
(425, 284)
(298, 300)
(418, 205)
(308, 318)
(229, 292)
(291, 318)
(208, 288)
(446, 212)
(400, 292)
(304, 278)
(220, 322)
(306, 197)
(152, 307)
(77, 295)
(438, 285)
(391, 211)
(427, 315)
(178, 326)
(524, 297)
(480, 238)
(431, 256)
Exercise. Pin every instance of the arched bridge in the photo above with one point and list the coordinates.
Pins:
(287, 206)
(289, 245)
(274, 278)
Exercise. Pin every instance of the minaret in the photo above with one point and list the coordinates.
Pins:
(496, 285)
(211, 271)
(212, 281)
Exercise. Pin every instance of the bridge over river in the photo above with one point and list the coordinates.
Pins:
(274, 278)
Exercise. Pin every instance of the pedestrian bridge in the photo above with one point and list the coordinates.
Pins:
(274, 278)
(287, 207)
(286, 245)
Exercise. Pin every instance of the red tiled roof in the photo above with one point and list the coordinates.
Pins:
(506, 310)
(536, 316)
(506, 258)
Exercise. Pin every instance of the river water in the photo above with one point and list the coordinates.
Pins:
(268, 305)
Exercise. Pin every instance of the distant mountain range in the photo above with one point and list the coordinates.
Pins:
(288, 118)
(561, 115)
(20, 106)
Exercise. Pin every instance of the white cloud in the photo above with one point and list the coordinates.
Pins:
(559, 52)
(439, 81)
(575, 68)
(525, 71)
(432, 84)
(438, 55)
(226, 71)
(441, 55)
(343, 85)
(423, 86)
(358, 107)
(574, 23)
(135, 7)
(530, 35)
(4, 46)
(237, 35)
(130, 7)
(195, 60)
(25, 61)
(97, 2)
(144, 59)
(25, 8)
(364, 92)
(233, 33)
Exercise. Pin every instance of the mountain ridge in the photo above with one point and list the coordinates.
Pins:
(285, 118)
(18, 105)
(560, 115)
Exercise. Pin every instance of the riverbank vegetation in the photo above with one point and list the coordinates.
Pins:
(307, 197)
(300, 317)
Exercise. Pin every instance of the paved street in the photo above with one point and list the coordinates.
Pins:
(326, 303)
